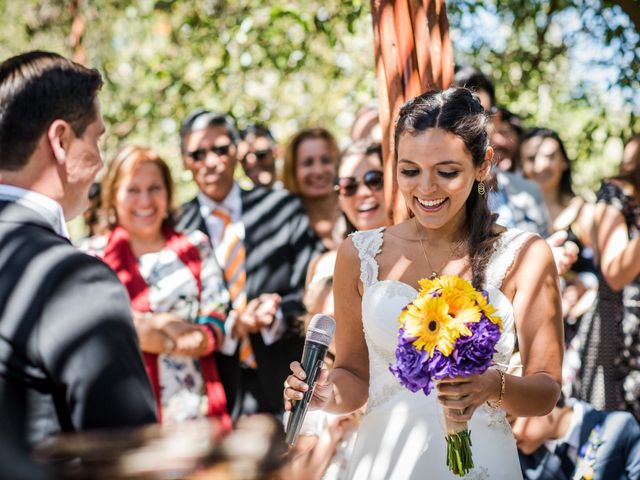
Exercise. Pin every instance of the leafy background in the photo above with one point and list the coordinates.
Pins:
(572, 66)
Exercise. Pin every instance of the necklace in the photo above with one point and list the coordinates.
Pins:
(454, 248)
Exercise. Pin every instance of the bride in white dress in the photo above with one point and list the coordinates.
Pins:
(442, 158)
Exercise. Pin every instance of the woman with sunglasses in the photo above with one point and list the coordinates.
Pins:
(359, 186)
(326, 441)
(309, 170)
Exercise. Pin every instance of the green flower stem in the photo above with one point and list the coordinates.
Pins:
(459, 458)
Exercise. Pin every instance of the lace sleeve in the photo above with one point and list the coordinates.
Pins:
(368, 243)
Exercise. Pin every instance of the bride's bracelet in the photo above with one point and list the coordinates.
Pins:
(503, 384)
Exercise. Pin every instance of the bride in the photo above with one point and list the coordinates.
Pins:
(442, 157)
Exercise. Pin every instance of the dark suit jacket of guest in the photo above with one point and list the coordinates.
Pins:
(617, 458)
(69, 355)
(279, 245)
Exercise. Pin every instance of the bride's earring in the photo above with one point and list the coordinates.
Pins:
(481, 189)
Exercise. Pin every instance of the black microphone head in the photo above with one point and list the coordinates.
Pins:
(321, 329)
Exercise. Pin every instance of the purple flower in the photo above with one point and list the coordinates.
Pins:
(409, 368)
(472, 354)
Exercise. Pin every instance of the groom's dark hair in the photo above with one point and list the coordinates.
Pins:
(458, 111)
(37, 88)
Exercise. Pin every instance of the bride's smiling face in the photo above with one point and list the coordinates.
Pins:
(435, 175)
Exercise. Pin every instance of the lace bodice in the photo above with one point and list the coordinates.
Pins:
(402, 434)
(383, 300)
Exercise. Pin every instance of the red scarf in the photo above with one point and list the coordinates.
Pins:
(120, 257)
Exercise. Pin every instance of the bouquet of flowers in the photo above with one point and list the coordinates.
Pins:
(449, 330)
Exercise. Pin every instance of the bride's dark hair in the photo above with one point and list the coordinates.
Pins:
(458, 111)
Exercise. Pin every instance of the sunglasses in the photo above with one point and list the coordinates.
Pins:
(348, 186)
(201, 153)
(260, 154)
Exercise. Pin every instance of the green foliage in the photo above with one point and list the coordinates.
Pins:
(291, 63)
(569, 65)
(287, 64)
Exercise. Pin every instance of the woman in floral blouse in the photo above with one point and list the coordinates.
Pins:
(175, 285)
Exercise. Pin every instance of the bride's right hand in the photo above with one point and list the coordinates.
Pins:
(295, 387)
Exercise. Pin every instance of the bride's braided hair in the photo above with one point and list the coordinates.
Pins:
(457, 111)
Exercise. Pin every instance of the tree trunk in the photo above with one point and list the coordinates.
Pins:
(413, 54)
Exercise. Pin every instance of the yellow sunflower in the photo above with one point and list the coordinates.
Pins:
(427, 319)
(465, 302)
(457, 284)
(489, 311)
(427, 285)
(459, 302)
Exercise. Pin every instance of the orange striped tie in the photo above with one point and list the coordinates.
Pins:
(231, 250)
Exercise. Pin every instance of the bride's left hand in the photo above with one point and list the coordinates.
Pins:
(461, 396)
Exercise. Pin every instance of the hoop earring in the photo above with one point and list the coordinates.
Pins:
(481, 189)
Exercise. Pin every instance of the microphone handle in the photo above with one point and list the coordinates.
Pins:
(312, 362)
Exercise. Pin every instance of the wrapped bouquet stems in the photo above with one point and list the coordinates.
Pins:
(450, 330)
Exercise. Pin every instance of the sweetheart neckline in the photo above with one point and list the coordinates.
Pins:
(390, 280)
(415, 291)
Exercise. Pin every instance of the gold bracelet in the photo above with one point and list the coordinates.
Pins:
(503, 384)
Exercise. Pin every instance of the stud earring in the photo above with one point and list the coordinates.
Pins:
(481, 189)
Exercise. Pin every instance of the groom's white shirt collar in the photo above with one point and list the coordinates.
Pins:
(41, 204)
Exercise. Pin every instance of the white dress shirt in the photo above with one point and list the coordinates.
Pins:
(572, 437)
(232, 204)
(41, 204)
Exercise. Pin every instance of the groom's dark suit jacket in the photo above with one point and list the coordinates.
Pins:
(617, 458)
(69, 356)
(279, 246)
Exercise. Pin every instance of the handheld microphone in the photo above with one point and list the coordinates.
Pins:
(319, 335)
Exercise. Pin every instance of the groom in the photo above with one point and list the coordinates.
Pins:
(69, 354)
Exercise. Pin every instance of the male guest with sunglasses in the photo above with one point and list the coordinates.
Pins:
(263, 242)
(258, 152)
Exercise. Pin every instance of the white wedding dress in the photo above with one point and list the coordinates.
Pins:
(402, 434)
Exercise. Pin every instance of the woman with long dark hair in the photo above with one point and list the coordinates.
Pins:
(442, 156)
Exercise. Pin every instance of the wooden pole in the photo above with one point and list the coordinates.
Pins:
(76, 33)
(413, 54)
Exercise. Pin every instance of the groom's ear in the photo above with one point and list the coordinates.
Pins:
(485, 166)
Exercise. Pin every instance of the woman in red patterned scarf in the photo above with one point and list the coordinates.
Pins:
(176, 287)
